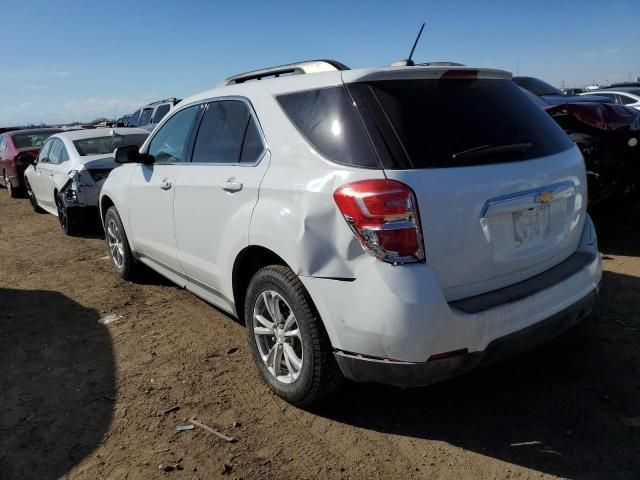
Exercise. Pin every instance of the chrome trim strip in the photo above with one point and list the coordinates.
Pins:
(563, 189)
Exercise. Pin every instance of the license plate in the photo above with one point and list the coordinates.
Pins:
(530, 226)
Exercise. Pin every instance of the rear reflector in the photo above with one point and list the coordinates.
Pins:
(383, 215)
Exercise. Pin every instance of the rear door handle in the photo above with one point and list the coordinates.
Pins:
(165, 184)
(230, 186)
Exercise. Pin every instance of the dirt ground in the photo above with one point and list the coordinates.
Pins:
(83, 400)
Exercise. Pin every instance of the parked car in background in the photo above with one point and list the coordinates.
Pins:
(150, 115)
(550, 94)
(122, 121)
(623, 84)
(607, 135)
(66, 178)
(398, 225)
(629, 96)
(18, 149)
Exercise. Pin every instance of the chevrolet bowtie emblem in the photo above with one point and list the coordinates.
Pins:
(544, 197)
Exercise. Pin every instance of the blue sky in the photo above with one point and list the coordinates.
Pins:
(75, 60)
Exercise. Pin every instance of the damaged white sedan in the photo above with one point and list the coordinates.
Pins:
(66, 178)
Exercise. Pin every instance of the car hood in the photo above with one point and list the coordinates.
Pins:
(562, 99)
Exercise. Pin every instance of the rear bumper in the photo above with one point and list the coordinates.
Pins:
(398, 315)
(406, 374)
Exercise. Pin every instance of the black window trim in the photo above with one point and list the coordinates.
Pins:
(205, 104)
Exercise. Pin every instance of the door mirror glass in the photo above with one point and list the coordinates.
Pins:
(128, 154)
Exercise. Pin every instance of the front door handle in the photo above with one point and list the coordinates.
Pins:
(230, 186)
(166, 184)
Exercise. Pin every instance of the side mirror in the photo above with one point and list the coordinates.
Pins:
(129, 154)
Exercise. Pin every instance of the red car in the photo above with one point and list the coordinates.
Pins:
(18, 149)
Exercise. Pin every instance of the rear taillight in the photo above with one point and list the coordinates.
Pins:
(383, 215)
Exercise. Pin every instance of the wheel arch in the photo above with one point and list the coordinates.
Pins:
(248, 261)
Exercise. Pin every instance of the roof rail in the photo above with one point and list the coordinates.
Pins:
(309, 66)
(171, 99)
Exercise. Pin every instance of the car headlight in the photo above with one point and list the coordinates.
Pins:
(632, 142)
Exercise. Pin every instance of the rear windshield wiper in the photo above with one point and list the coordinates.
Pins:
(489, 149)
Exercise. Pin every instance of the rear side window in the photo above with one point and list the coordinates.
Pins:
(55, 155)
(133, 120)
(161, 111)
(455, 122)
(227, 134)
(328, 119)
(624, 100)
(145, 117)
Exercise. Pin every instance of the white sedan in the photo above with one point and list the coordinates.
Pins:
(627, 96)
(68, 174)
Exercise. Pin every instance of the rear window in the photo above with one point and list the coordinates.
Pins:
(35, 140)
(455, 122)
(107, 145)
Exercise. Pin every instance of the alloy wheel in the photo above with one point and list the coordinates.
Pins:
(116, 245)
(278, 337)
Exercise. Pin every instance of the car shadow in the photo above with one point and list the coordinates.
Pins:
(57, 383)
(565, 408)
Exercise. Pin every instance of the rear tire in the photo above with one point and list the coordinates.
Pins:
(32, 198)
(124, 263)
(69, 218)
(10, 190)
(289, 343)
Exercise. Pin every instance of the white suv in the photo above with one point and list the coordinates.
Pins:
(397, 225)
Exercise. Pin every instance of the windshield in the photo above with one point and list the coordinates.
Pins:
(107, 145)
(537, 86)
(33, 140)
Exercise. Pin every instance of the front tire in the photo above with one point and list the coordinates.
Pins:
(287, 339)
(122, 259)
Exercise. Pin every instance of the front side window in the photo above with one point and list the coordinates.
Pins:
(43, 156)
(3, 144)
(55, 155)
(171, 141)
(227, 127)
(145, 117)
(161, 111)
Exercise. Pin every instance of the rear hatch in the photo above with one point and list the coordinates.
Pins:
(501, 189)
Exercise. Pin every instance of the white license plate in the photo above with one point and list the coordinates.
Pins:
(531, 226)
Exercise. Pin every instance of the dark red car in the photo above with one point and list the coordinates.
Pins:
(18, 149)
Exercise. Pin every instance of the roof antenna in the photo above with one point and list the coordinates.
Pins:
(409, 61)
